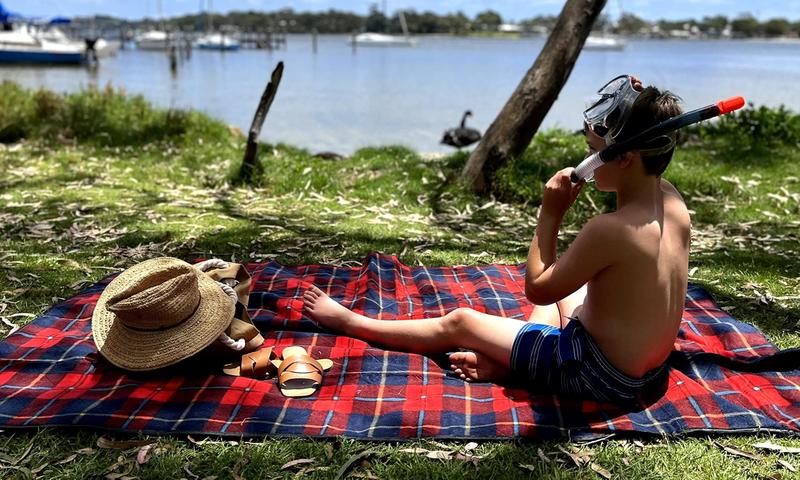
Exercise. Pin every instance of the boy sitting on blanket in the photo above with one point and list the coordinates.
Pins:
(607, 310)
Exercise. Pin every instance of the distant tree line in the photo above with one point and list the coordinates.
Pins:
(336, 21)
(742, 26)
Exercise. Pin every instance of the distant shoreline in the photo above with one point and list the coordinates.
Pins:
(520, 36)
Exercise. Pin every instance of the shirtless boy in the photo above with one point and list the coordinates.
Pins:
(607, 310)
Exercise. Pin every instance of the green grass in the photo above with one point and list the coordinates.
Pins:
(82, 196)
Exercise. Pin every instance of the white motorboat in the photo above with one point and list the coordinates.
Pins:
(102, 47)
(153, 40)
(22, 45)
(217, 41)
(604, 43)
(106, 48)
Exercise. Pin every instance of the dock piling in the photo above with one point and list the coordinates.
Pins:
(314, 40)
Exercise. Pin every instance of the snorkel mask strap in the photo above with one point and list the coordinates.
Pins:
(658, 145)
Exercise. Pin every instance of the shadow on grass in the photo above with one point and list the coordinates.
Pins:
(46, 182)
(743, 266)
(312, 241)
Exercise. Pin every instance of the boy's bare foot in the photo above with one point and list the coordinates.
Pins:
(328, 312)
(472, 366)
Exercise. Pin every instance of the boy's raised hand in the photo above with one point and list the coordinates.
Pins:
(560, 193)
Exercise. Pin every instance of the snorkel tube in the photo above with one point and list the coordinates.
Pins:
(586, 168)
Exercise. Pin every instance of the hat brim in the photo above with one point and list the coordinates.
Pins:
(142, 350)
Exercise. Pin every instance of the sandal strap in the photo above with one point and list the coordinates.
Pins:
(302, 364)
(300, 367)
(257, 364)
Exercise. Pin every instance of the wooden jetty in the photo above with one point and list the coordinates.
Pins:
(266, 39)
(262, 40)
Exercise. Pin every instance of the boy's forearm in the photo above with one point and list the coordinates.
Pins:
(542, 252)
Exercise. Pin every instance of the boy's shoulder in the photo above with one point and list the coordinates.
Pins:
(608, 227)
(619, 232)
(675, 210)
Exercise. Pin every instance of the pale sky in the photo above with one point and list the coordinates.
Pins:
(509, 9)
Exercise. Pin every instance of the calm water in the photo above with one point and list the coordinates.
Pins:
(340, 100)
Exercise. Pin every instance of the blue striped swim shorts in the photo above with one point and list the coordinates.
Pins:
(569, 362)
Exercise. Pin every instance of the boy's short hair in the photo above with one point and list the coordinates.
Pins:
(652, 106)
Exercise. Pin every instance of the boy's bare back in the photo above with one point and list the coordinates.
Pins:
(633, 306)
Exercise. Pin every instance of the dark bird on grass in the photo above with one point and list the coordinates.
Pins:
(328, 156)
(461, 136)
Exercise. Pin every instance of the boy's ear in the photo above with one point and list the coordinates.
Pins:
(626, 159)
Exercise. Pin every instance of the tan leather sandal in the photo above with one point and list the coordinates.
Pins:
(299, 375)
(257, 364)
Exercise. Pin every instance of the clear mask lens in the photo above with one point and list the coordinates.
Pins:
(611, 107)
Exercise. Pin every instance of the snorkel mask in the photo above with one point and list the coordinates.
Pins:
(606, 117)
(607, 114)
(610, 108)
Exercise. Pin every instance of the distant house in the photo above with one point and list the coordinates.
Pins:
(510, 28)
(538, 30)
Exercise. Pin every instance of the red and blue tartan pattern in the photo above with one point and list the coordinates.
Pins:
(51, 374)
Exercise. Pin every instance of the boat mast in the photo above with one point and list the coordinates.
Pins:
(385, 18)
(209, 25)
(403, 23)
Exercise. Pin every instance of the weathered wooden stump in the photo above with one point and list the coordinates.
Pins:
(250, 166)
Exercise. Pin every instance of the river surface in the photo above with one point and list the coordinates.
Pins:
(339, 100)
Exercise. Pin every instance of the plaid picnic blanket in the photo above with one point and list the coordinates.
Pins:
(51, 375)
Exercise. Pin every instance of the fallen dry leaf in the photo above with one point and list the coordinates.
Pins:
(440, 454)
(776, 448)
(579, 456)
(299, 461)
(328, 451)
(737, 452)
(787, 466)
(415, 450)
(470, 446)
(542, 456)
(144, 454)
(600, 470)
(105, 442)
(68, 459)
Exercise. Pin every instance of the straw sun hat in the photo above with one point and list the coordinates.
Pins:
(158, 313)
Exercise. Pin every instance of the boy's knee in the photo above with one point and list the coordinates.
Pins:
(458, 319)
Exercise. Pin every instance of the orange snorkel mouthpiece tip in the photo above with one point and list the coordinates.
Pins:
(730, 104)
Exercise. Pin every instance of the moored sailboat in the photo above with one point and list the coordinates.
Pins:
(372, 39)
(215, 40)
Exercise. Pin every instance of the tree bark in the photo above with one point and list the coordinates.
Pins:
(511, 132)
(249, 163)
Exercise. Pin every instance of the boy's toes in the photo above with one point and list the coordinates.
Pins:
(315, 290)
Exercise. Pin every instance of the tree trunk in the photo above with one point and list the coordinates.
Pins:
(513, 129)
(249, 163)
